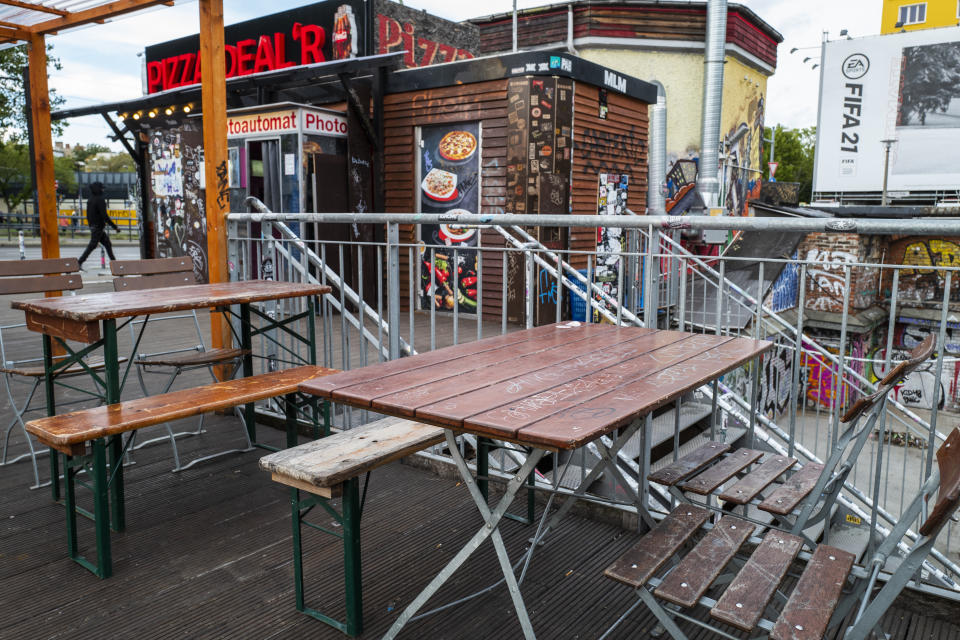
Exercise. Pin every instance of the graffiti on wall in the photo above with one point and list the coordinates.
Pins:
(743, 175)
(825, 279)
(783, 293)
(776, 373)
(922, 281)
(821, 387)
(921, 389)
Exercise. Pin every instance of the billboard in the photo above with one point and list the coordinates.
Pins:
(903, 87)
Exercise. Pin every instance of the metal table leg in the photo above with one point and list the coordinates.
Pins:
(490, 529)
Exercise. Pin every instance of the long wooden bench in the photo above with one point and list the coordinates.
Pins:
(329, 468)
(83, 437)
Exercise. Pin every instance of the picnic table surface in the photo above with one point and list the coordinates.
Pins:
(558, 386)
(121, 304)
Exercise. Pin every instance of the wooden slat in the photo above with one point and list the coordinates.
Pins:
(645, 558)
(121, 304)
(689, 464)
(699, 568)
(742, 604)
(38, 371)
(193, 358)
(329, 461)
(42, 147)
(722, 471)
(608, 411)
(754, 482)
(524, 408)
(324, 388)
(546, 362)
(38, 267)
(142, 283)
(453, 411)
(62, 431)
(788, 495)
(518, 353)
(40, 284)
(151, 267)
(948, 497)
(810, 606)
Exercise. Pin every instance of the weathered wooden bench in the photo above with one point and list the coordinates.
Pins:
(830, 585)
(82, 437)
(329, 468)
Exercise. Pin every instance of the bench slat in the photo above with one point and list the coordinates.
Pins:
(645, 558)
(755, 481)
(689, 464)
(151, 266)
(40, 284)
(796, 488)
(64, 431)
(9, 268)
(747, 596)
(142, 283)
(948, 497)
(192, 358)
(808, 611)
(722, 471)
(697, 571)
(329, 461)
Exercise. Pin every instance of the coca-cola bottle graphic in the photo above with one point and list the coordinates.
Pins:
(344, 33)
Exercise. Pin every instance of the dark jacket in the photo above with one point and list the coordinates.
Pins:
(97, 208)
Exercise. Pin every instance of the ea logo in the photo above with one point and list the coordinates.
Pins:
(856, 66)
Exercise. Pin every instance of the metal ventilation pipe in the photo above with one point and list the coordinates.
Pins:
(708, 181)
(657, 161)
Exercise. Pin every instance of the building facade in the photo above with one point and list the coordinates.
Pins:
(910, 15)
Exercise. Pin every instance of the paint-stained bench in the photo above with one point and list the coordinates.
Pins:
(81, 436)
(330, 468)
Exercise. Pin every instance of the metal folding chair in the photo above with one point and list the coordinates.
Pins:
(695, 558)
(19, 365)
(133, 275)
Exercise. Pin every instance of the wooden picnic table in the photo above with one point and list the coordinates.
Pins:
(92, 319)
(556, 387)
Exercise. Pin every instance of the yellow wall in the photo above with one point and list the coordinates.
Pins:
(744, 100)
(940, 13)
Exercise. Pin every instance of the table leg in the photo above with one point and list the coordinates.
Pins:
(311, 330)
(51, 411)
(490, 529)
(246, 343)
(115, 443)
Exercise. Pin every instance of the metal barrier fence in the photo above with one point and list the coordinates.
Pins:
(838, 324)
(69, 225)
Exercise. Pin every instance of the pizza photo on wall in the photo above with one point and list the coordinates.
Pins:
(457, 146)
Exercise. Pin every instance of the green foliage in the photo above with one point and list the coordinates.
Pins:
(13, 114)
(16, 184)
(794, 153)
(112, 162)
(83, 153)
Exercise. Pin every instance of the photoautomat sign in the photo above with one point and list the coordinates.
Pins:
(899, 87)
(287, 121)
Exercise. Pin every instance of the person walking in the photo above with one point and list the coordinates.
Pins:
(98, 220)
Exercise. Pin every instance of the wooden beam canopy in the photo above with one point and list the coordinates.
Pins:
(31, 6)
(96, 14)
(43, 147)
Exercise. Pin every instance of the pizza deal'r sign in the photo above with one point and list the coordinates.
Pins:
(315, 33)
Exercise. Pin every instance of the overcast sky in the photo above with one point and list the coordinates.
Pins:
(100, 63)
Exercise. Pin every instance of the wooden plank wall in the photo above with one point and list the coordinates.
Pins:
(617, 144)
(618, 20)
(483, 101)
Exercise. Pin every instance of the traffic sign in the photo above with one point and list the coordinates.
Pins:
(773, 168)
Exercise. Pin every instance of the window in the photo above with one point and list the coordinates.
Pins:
(914, 13)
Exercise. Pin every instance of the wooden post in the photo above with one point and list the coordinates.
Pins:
(214, 107)
(43, 147)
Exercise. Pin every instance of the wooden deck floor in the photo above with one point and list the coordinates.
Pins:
(207, 554)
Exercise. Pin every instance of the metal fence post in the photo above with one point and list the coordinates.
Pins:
(393, 287)
(531, 283)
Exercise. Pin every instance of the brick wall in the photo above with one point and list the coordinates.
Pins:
(826, 255)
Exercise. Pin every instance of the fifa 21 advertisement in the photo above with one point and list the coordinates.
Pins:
(903, 87)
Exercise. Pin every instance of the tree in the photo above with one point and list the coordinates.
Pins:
(16, 184)
(794, 155)
(110, 161)
(13, 113)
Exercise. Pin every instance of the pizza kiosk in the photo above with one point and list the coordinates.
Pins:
(526, 133)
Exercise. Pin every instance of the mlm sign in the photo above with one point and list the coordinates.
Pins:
(903, 87)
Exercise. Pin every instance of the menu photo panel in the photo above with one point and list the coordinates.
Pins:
(449, 157)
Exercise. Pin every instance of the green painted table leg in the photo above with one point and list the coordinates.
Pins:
(115, 444)
(351, 556)
(297, 548)
(290, 411)
(246, 343)
(70, 502)
(51, 411)
(312, 330)
(101, 502)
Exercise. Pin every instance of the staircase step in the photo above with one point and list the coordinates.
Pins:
(733, 434)
(663, 426)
